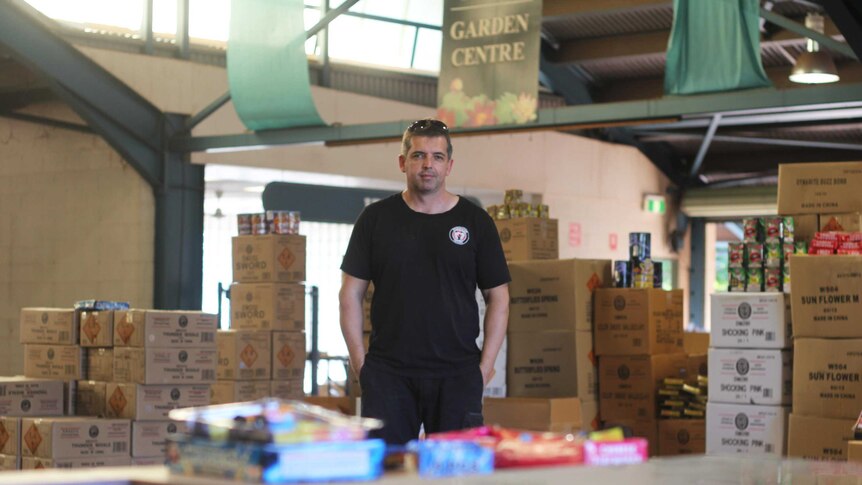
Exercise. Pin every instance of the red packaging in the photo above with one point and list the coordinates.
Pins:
(517, 448)
(773, 229)
(626, 452)
(821, 252)
(831, 236)
(850, 251)
(755, 254)
(850, 245)
(855, 237)
(823, 244)
(789, 249)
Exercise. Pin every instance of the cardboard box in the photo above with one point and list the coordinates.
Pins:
(560, 415)
(751, 320)
(556, 294)
(100, 364)
(854, 450)
(551, 364)
(591, 419)
(751, 376)
(681, 437)
(244, 354)
(165, 366)
(526, 238)
(851, 222)
(827, 296)
(640, 428)
(48, 326)
(267, 306)
(696, 343)
(826, 377)
(223, 392)
(149, 438)
(164, 329)
(496, 387)
(96, 328)
(10, 435)
(638, 321)
(152, 403)
(148, 460)
(819, 188)
(75, 437)
(10, 462)
(269, 259)
(64, 362)
(345, 405)
(22, 396)
(628, 384)
(745, 429)
(90, 398)
(805, 226)
(817, 438)
(697, 365)
(288, 355)
(37, 463)
(291, 389)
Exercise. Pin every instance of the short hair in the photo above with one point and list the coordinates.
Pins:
(426, 128)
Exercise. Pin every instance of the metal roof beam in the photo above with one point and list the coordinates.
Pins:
(566, 8)
(848, 16)
(800, 29)
(653, 136)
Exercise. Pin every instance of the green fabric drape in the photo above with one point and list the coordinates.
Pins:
(714, 45)
(267, 67)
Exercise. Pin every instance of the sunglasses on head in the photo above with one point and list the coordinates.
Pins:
(421, 125)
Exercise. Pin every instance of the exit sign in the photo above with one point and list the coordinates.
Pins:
(655, 204)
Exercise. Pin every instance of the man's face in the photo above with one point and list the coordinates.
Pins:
(426, 165)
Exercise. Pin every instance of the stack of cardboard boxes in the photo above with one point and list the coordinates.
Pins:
(264, 353)
(750, 364)
(25, 397)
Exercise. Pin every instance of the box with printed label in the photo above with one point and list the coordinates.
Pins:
(751, 320)
(698, 365)
(37, 463)
(551, 364)
(850, 222)
(64, 362)
(74, 437)
(22, 396)
(290, 389)
(269, 259)
(10, 462)
(816, 438)
(165, 366)
(826, 300)
(496, 387)
(555, 294)
(751, 376)
(628, 384)
(560, 415)
(819, 188)
(96, 328)
(100, 364)
(152, 403)
(288, 355)
(640, 428)
(10, 435)
(48, 326)
(745, 429)
(826, 377)
(267, 306)
(526, 238)
(633, 321)
(165, 329)
(149, 438)
(244, 354)
(681, 437)
(224, 392)
(90, 398)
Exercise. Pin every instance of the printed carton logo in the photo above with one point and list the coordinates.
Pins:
(175, 394)
(183, 356)
(184, 321)
(249, 249)
(50, 354)
(249, 297)
(94, 431)
(118, 401)
(505, 235)
(683, 437)
(4, 436)
(286, 258)
(32, 439)
(26, 405)
(172, 428)
(623, 372)
(92, 327)
(44, 318)
(619, 303)
(594, 282)
(125, 331)
(248, 356)
(286, 355)
(744, 311)
(741, 421)
(742, 367)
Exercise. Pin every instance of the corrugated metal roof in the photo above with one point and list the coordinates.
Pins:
(628, 21)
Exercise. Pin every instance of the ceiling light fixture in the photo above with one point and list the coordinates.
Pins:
(814, 66)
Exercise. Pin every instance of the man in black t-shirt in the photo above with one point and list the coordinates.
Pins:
(426, 250)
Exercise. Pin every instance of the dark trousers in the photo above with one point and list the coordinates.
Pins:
(405, 403)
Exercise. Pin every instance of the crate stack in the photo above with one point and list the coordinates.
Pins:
(264, 352)
(750, 362)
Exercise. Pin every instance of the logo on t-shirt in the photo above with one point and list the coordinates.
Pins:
(459, 235)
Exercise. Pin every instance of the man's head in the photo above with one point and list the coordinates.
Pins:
(426, 156)
(427, 128)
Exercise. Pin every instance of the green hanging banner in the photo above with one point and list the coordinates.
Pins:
(489, 65)
(714, 46)
(267, 66)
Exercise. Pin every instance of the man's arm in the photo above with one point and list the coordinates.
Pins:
(496, 321)
(350, 305)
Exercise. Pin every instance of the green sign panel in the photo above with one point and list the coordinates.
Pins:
(489, 67)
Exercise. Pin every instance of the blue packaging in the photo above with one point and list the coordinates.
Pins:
(101, 305)
(439, 458)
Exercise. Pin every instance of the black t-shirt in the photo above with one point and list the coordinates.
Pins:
(425, 269)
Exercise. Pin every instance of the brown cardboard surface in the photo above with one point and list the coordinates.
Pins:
(90, 398)
(64, 362)
(75, 437)
(854, 451)
(638, 321)
(96, 328)
(37, 463)
(10, 462)
(681, 437)
(817, 438)
(152, 403)
(288, 355)
(697, 365)
(346, 405)
(560, 415)
(555, 294)
(150, 438)
(551, 364)
(48, 326)
(805, 226)
(290, 389)
(695, 343)
(267, 306)
(850, 222)
(99, 364)
(22, 396)
(10, 435)
(165, 366)
(819, 188)
(826, 377)
(647, 428)
(826, 300)
(244, 354)
(272, 259)
(628, 384)
(527, 238)
(164, 328)
(224, 392)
